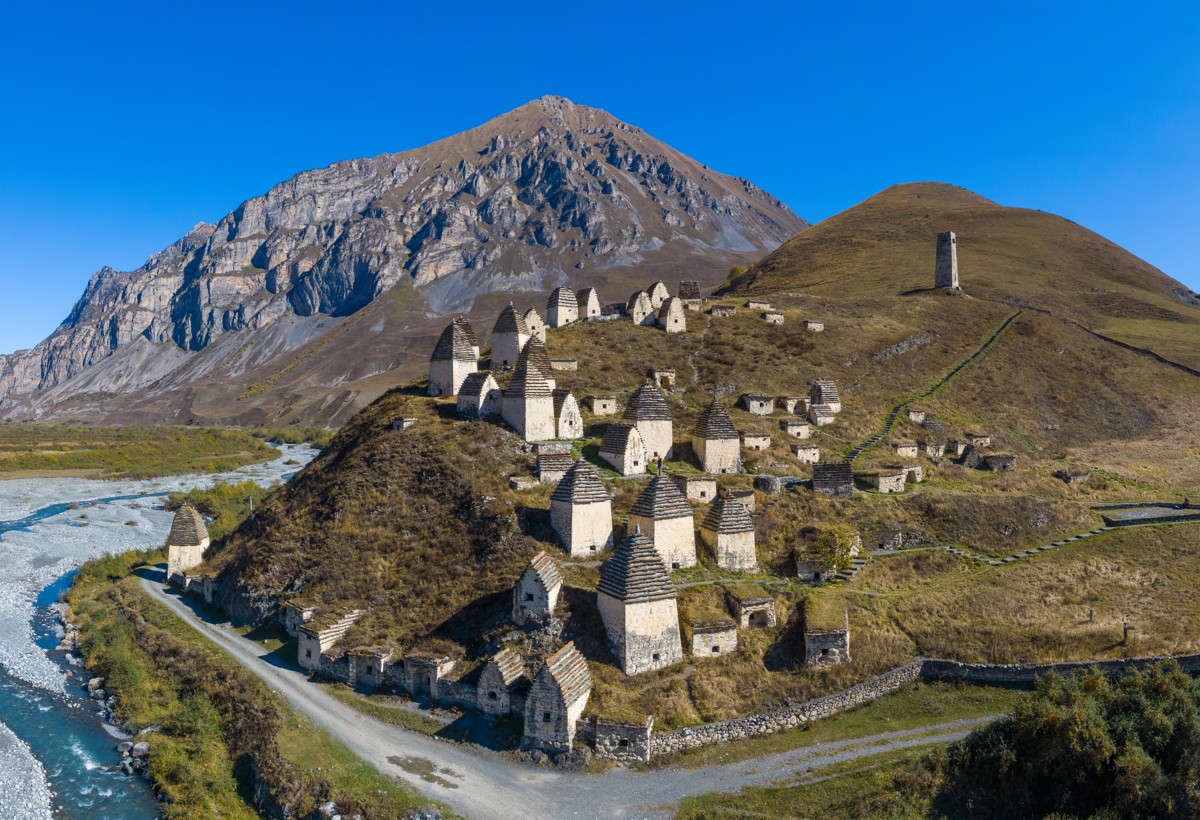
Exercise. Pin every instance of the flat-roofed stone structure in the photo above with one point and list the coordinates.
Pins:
(551, 467)
(564, 365)
(479, 396)
(759, 304)
(637, 603)
(509, 336)
(404, 423)
(500, 682)
(945, 272)
(905, 449)
(1072, 477)
(758, 404)
(750, 606)
(807, 453)
(712, 639)
(835, 478)
(421, 673)
(624, 742)
(568, 420)
(796, 429)
(186, 543)
(915, 414)
(980, 440)
(822, 415)
(602, 405)
(658, 294)
(814, 325)
(826, 633)
(536, 592)
(1001, 462)
(689, 294)
(955, 449)
(663, 378)
(716, 442)
(556, 700)
(647, 408)
(756, 441)
(581, 511)
(671, 316)
(295, 615)
(700, 488)
(934, 449)
(971, 457)
(811, 569)
(723, 311)
(728, 531)
(914, 473)
(640, 310)
(825, 392)
(562, 308)
(528, 405)
(662, 514)
(772, 317)
(320, 634)
(623, 449)
(536, 325)
(887, 479)
(587, 303)
(452, 360)
(368, 666)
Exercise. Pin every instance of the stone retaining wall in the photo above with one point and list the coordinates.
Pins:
(1023, 674)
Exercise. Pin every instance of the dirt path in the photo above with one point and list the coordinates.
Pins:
(483, 784)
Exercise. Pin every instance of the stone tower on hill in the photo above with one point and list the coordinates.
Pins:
(535, 353)
(186, 543)
(665, 517)
(472, 336)
(729, 532)
(581, 511)
(528, 404)
(946, 270)
(648, 410)
(536, 592)
(508, 338)
(563, 307)
(556, 701)
(452, 361)
(637, 604)
(716, 441)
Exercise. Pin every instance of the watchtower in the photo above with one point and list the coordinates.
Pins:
(946, 272)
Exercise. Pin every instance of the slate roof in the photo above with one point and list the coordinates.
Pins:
(472, 336)
(527, 381)
(714, 423)
(553, 462)
(727, 517)
(584, 296)
(656, 286)
(562, 297)
(535, 353)
(661, 500)
(840, 471)
(647, 404)
(580, 485)
(616, 437)
(560, 398)
(453, 345)
(635, 298)
(546, 569)
(570, 673)
(635, 573)
(476, 383)
(824, 391)
(187, 530)
(689, 290)
(533, 319)
(510, 321)
(670, 304)
(509, 665)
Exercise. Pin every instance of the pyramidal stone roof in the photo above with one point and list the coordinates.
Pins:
(475, 383)
(510, 321)
(535, 353)
(714, 423)
(728, 517)
(585, 296)
(647, 404)
(509, 665)
(187, 530)
(562, 297)
(560, 398)
(669, 305)
(528, 382)
(546, 569)
(635, 298)
(472, 337)
(689, 290)
(616, 437)
(453, 345)
(635, 573)
(581, 485)
(553, 462)
(570, 672)
(661, 500)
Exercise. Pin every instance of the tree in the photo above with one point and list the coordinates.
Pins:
(835, 547)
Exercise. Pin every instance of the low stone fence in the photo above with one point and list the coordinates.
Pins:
(1024, 674)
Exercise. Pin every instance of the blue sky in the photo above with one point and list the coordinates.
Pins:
(124, 124)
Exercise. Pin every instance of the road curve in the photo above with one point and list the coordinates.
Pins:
(481, 784)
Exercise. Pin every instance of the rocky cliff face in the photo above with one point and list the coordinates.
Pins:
(551, 192)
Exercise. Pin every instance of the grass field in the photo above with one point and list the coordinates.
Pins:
(125, 452)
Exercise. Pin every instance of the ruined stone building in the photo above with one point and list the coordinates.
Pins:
(663, 378)
(581, 511)
(479, 396)
(905, 449)
(701, 488)
(914, 472)
(807, 453)
(602, 405)
(826, 633)
(825, 392)
(758, 404)
(536, 592)
(750, 606)
(772, 317)
(934, 449)
(556, 700)
(552, 467)
(564, 365)
(813, 326)
(508, 338)
(637, 603)
(567, 417)
(186, 543)
(295, 615)
(723, 311)
(319, 635)
(712, 639)
(588, 304)
(500, 683)
(639, 309)
(453, 359)
(835, 478)
(945, 273)
(366, 666)
(658, 294)
(915, 414)
(821, 415)
(1001, 462)
(623, 449)
(759, 304)
(887, 479)
(971, 457)
(562, 308)
(647, 408)
(663, 515)
(689, 294)
(729, 533)
(980, 440)
(797, 405)
(671, 317)
(528, 405)
(756, 441)
(535, 324)
(472, 336)
(716, 442)
(797, 429)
